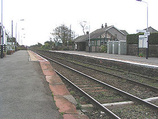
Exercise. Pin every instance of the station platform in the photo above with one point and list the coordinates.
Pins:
(30, 89)
(150, 62)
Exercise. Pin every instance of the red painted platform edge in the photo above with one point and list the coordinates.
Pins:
(59, 90)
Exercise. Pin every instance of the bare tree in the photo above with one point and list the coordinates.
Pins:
(83, 25)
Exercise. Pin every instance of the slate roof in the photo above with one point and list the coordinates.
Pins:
(151, 29)
(124, 31)
(97, 33)
(82, 38)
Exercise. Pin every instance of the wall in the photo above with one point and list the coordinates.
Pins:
(95, 48)
(153, 50)
(132, 49)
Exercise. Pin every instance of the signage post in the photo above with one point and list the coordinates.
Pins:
(143, 41)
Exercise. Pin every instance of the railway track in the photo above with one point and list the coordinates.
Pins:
(101, 69)
(94, 101)
(131, 76)
(100, 88)
(122, 80)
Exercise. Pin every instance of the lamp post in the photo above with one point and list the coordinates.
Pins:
(17, 34)
(2, 37)
(147, 49)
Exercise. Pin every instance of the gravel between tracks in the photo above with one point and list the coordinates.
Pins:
(129, 111)
(134, 111)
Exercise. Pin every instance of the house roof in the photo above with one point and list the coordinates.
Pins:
(82, 38)
(151, 30)
(124, 31)
(97, 33)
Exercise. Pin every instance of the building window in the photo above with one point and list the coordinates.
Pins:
(102, 42)
(98, 42)
(92, 43)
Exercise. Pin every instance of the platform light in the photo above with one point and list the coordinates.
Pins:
(147, 49)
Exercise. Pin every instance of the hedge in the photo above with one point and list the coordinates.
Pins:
(153, 38)
(133, 38)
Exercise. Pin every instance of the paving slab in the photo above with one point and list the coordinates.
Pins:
(74, 116)
(54, 79)
(65, 105)
(59, 89)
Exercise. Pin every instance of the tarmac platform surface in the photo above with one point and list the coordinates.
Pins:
(30, 89)
(24, 93)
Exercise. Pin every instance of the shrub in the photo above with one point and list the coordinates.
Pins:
(103, 48)
(141, 55)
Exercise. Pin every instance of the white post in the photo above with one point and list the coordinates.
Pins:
(89, 38)
(2, 42)
(18, 31)
(2, 13)
(147, 50)
(147, 16)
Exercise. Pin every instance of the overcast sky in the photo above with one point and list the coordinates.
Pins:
(42, 16)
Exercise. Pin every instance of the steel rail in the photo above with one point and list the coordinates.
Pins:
(147, 77)
(132, 81)
(95, 102)
(130, 96)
